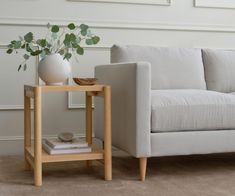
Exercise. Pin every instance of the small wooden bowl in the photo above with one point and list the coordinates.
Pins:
(85, 81)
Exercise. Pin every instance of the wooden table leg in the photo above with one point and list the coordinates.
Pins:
(88, 123)
(27, 128)
(107, 134)
(37, 137)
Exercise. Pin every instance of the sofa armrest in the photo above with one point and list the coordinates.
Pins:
(131, 106)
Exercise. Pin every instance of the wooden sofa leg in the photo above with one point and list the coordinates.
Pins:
(143, 165)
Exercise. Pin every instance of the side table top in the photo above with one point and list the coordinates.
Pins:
(63, 88)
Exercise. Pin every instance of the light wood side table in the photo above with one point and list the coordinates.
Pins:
(35, 155)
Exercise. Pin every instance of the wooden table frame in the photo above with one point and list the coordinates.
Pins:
(35, 155)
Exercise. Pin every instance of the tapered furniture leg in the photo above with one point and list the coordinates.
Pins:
(88, 123)
(143, 165)
(107, 134)
(27, 128)
(37, 137)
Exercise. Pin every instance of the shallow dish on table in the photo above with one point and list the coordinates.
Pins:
(85, 81)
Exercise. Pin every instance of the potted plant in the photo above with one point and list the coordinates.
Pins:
(54, 50)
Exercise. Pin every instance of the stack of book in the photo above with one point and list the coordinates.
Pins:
(55, 146)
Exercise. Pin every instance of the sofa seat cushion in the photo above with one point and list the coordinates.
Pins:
(182, 110)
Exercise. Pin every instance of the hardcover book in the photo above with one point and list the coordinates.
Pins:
(57, 144)
(73, 150)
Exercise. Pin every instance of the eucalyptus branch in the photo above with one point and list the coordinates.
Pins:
(67, 42)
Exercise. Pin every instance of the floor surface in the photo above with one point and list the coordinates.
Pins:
(208, 175)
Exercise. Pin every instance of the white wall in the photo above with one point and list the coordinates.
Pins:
(178, 25)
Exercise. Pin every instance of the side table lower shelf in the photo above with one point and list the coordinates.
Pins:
(96, 154)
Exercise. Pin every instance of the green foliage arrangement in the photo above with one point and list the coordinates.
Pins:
(65, 40)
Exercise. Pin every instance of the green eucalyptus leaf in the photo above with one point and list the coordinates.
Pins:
(17, 44)
(55, 29)
(13, 42)
(67, 39)
(84, 27)
(9, 51)
(38, 41)
(10, 46)
(89, 41)
(28, 37)
(95, 39)
(43, 42)
(74, 45)
(47, 51)
(72, 37)
(28, 49)
(26, 56)
(84, 32)
(67, 36)
(71, 26)
(80, 50)
(36, 53)
(67, 55)
(23, 46)
(19, 67)
(25, 67)
(61, 52)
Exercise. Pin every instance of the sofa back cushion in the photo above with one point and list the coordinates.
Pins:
(219, 70)
(172, 68)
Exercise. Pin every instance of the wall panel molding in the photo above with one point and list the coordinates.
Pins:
(17, 21)
(229, 4)
(142, 2)
(71, 104)
(6, 107)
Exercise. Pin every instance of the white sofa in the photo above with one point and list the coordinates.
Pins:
(169, 101)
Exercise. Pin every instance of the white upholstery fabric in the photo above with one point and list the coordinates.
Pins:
(172, 68)
(219, 70)
(177, 110)
(185, 121)
(131, 88)
(192, 142)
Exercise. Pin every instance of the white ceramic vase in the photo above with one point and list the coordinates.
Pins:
(54, 70)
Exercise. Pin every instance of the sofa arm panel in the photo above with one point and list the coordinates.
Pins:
(131, 106)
